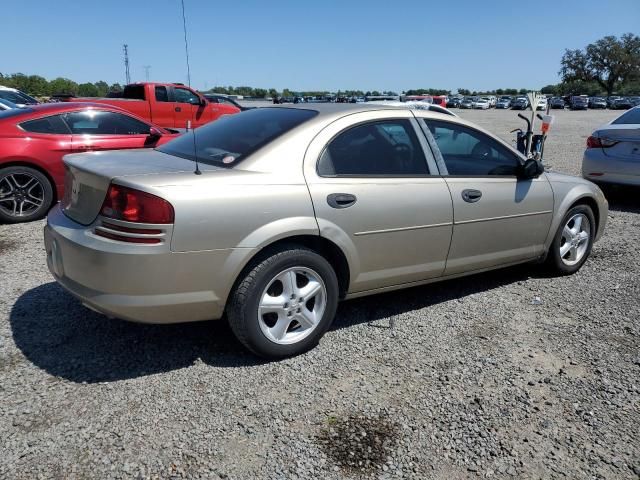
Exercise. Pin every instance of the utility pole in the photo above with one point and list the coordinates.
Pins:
(125, 47)
(186, 45)
(146, 71)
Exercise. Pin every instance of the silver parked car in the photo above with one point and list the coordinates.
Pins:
(290, 209)
(613, 151)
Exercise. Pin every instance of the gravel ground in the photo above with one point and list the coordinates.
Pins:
(510, 374)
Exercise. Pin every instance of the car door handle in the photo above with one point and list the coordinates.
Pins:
(341, 200)
(178, 109)
(471, 195)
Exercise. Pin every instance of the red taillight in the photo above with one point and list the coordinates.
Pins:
(128, 204)
(599, 142)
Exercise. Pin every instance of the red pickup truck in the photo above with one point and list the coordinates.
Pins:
(168, 105)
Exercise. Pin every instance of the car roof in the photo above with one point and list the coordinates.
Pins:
(58, 107)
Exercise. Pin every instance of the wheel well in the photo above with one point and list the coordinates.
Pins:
(326, 248)
(590, 202)
(19, 163)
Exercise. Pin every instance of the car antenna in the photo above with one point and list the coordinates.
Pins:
(195, 151)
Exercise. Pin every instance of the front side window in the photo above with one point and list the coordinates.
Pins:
(182, 95)
(51, 125)
(96, 122)
(388, 147)
(233, 137)
(467, 152)
(161, 94)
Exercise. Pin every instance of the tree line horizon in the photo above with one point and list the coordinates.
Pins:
(608, 66)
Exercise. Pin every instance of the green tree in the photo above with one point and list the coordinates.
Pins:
(102, 87)
(549, 89)
(63, 86)
(115, 87)
(611, 62)
(87, 90)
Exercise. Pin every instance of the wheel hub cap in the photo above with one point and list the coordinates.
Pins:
(21, 194)
(575, 239)
(292, 305)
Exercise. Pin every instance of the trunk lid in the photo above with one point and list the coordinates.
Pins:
(88, 175)
(627, 137)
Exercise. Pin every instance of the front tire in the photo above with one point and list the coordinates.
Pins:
(573, 241)
(285, 303)
(25, 194)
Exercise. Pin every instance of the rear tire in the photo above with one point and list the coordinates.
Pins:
(25, 194)
(573, 241)
(284, 304)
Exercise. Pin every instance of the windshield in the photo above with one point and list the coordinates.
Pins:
(227, 140)
(629, 117)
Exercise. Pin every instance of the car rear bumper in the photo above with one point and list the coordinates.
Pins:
(599, 168)
(140, 283)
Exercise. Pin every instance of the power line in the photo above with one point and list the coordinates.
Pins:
(186, 45)
(146, 71)
(125, 47)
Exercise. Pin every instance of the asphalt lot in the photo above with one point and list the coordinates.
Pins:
(510, 374)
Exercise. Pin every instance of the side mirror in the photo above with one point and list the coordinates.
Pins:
(154, 132)
(202, 102)
(531, 169)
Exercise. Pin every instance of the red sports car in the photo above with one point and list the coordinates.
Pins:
(34, 139)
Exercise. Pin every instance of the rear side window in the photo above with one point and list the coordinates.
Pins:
(629, 117)
(385, 148)
(161, 94)
(52, 125)
(134, 92)
(94, 122)
(233, 137)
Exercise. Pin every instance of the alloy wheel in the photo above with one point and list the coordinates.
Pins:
(292, 305)
(21, 194)
(575, 239)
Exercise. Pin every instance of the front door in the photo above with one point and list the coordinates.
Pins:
(498, 218)
(188, 109)
(379, 197)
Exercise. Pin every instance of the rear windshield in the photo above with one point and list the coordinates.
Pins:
(226, 141)
(629, 117)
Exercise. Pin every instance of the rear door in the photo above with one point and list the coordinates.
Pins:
(498, 218)
(377, 194)
(105, 130)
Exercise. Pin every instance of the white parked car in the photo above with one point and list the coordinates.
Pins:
(482, 104)
(14, 95)
(542, 104)
(613, 151)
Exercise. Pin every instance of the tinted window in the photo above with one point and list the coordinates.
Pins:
(134, 92)
(94, 122)
(161, 94)
(230, 138)
(182, 95)
(17, 97)
(51, 124)
(378, 148)
(226, 101)
(468, 152)
(629, 117)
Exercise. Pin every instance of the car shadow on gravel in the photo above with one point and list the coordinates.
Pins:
(622, 198)
(59, 335)
(388, 305)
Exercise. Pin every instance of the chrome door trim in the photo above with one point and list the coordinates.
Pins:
(403, 229)
(503, 217)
